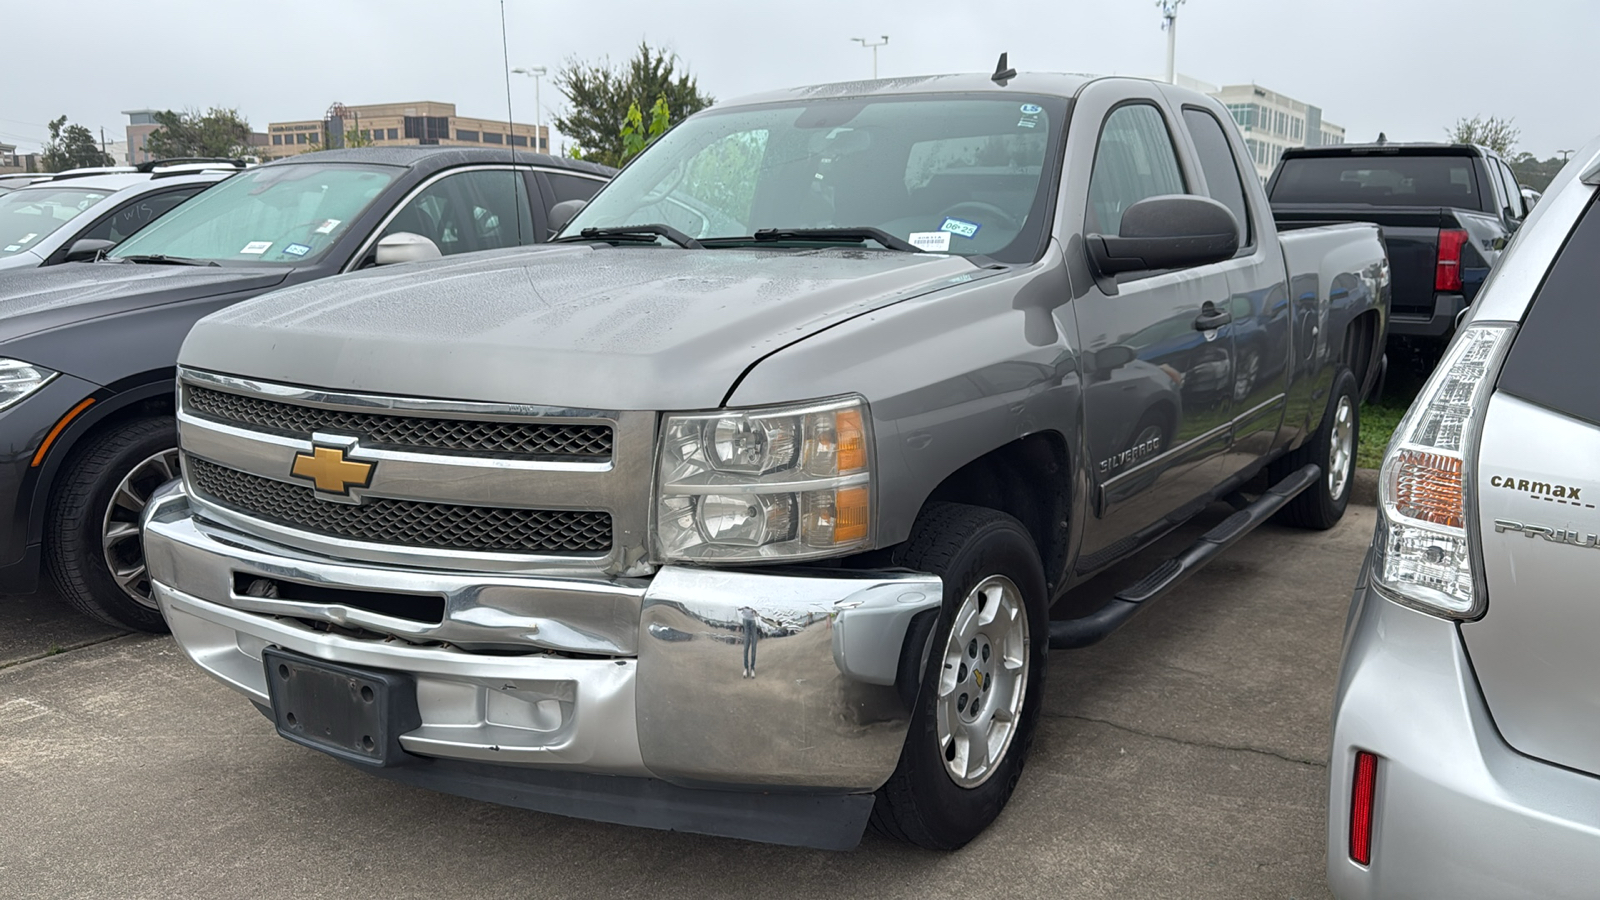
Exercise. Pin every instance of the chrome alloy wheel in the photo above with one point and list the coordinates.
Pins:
(1342, 454)
(119, 535)
(983, 682)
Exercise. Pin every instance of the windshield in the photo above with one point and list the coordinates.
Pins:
(1379, 181)
(946, 174)
(286, 214)
(28, 214)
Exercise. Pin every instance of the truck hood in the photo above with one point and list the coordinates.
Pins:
(580, 326)
(40, 299)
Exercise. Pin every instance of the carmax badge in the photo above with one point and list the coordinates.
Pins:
(332, 471)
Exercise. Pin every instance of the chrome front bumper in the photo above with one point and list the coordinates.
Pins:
(1458, 813)
(659, 692)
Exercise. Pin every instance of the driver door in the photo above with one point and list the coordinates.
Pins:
(1158, 358)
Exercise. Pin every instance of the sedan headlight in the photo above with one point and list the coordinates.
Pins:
(790, 482)
(19, 379)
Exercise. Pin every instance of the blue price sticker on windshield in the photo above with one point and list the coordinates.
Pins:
(959, 227)
(297, 249)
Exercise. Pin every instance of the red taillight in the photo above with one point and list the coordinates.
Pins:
(1447, 275)
(1366, 782)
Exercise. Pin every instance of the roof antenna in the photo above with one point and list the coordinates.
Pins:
(1383, 138)
(1002, 72)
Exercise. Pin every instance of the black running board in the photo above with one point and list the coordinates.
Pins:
(1093, 628)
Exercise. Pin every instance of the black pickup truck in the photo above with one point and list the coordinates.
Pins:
(1446, 211)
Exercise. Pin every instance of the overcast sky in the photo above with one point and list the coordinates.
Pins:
(1406, 67)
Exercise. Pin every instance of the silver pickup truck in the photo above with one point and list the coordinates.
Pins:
(741, 507)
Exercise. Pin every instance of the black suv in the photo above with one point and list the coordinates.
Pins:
(87, 351)
(1446, 210)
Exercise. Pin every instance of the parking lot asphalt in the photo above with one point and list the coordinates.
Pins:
(1183, 757)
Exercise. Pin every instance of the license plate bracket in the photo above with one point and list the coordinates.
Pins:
(352, 713)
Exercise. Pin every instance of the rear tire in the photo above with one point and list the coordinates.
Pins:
(975, 717)
(1333, 449)
(92, 547)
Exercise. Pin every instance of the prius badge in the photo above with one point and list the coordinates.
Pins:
(332, 471)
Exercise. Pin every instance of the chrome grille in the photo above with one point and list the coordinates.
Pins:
(404, 522)
(530, 439)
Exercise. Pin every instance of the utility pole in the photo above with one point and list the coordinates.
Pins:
(1565, 154)
(536, 73)
(874, 45)
(1169, 16)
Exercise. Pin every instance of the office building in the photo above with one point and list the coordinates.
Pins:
(395, 124)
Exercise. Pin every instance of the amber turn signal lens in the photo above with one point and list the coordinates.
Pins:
(1427, 487)
(852, 438)
(850, 515)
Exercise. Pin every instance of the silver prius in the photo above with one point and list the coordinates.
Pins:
(1466, 732)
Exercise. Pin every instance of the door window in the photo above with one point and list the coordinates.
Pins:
(570, 187)
(135, 215)
(1513, 193)
(1223, 180)
(486, 209)
(1135, 160)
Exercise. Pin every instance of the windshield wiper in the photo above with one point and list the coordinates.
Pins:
(162, 260)
(854, 234)
(635, 233)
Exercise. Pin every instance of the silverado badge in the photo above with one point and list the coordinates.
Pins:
(331, 470)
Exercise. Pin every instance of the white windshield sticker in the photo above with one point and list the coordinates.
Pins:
(26, 238)
(934, 241)
(256, 248)
(327, 226)
(12, 248)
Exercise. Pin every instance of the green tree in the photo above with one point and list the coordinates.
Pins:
(1495, 133)
(1535, 173)
(599, 97)
(355, 137)
(219, 133)
(635, 137)
(72, 147)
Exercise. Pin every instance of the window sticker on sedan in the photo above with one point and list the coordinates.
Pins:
(26, 238)
(933, 241)
(327, 226)
(256, 248)
(12, 248)
(956, 226)
(297, 249)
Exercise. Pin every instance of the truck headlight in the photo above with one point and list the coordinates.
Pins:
(19, 379)
(779, 483)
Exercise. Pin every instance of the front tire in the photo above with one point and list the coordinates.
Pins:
(1333, 448)
(92, 546)
(975, 717)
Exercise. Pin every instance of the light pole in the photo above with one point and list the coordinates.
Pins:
(874, 45)
(1169, 16)
(536, 73)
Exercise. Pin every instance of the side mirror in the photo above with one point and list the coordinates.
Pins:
(1172, 231)
(87, 249)
(564, 212)
(403, 246)
(1109, 359)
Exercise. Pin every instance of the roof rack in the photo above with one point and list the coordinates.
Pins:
(92, 170)
(152, 165)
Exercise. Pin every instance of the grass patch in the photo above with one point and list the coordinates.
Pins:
(1378, 422)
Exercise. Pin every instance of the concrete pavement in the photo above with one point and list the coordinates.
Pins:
(1183, 757)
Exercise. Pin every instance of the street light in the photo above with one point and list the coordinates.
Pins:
(536, 73)
(874, 45)
(1169, 21)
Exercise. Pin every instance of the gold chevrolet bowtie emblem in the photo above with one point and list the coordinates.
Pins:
(331, 471)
